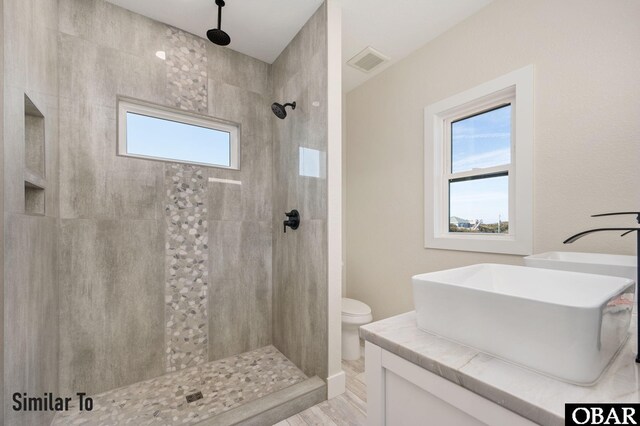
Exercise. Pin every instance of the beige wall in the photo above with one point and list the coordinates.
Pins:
(587, 136)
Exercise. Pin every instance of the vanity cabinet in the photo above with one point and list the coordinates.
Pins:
(402, 393)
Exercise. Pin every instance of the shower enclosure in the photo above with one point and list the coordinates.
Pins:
(167, 292)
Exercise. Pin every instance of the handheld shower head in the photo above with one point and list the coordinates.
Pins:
(280, 110)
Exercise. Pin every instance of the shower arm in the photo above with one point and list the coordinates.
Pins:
(220, 4)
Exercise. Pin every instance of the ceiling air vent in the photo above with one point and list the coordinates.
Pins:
(368, 60)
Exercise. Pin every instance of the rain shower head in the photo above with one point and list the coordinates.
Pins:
(280, 110)
(216, 35)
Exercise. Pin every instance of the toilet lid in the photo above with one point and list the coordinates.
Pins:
(354, 307)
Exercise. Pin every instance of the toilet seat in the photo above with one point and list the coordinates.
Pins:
(354, 308)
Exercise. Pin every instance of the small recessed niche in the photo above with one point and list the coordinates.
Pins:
(33, 138)
(33, 198)
(34, 159)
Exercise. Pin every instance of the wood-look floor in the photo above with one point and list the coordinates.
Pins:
(346, 409)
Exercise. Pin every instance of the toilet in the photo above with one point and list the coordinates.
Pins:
(354, 314)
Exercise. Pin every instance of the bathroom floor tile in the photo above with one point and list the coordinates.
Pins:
(346, 409)
(224, 384)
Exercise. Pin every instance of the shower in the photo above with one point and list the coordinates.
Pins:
(280, 110)
(216, 35)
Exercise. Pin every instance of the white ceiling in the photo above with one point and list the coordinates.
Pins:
(263, 28)
(395, 28)
(258, 28)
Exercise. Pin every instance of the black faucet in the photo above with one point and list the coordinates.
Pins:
(293, 220)
(625, 231)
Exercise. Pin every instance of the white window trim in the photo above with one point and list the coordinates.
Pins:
(519, 241)
(126, 105)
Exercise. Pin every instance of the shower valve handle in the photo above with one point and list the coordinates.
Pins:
(293, 220)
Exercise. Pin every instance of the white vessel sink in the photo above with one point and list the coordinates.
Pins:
(591, 263)
(567, 325)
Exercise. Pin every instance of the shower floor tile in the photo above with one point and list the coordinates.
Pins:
(225, 384)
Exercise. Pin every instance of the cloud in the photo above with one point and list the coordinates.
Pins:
(484, 159)
(474, 135)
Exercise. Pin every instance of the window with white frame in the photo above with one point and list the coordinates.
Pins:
(478, 168)
(159, 133)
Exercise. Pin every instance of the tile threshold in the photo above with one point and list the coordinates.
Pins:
(272, 408)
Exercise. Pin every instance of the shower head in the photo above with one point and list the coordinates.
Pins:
(280, 110)
(216, 35)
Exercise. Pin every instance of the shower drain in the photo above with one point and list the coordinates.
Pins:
(194, 396)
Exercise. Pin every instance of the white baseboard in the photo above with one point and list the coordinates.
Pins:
(336, 384)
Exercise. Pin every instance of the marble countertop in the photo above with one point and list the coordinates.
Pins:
(536, 397)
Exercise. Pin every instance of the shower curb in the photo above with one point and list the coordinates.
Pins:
(272, 408)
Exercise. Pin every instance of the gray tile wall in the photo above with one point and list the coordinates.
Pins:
(197, 285)
(300, 257)
(112, 248)
(240, 215)
(31, 314)
(2, 210)
(111, 302)
(30, 295)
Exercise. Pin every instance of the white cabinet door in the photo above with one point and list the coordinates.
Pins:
(409, 405)
(400, 393)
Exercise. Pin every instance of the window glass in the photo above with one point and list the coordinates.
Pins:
(479, 205)
(482, 140)
(165, 139)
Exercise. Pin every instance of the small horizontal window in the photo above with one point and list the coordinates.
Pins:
(158, 133)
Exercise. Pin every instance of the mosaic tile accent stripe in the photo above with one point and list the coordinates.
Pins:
(187, 255)
(186, 60)
(225, 384)
(186, 290)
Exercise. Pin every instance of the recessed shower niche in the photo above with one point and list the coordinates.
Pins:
(34, 159)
